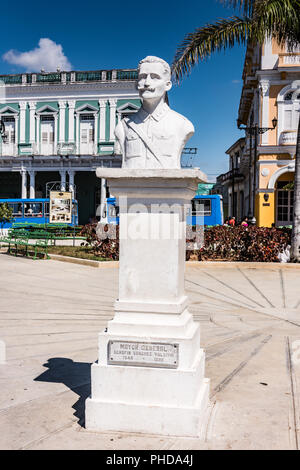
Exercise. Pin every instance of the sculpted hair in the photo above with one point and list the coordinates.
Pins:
(152, 59)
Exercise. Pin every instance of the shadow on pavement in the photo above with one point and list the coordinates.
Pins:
(75, 375)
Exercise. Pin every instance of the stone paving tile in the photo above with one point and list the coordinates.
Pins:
(50, 316)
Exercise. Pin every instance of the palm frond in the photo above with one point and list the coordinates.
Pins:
(279, 19)
(211, 38)
(245, 6)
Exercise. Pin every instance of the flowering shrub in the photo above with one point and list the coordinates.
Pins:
(104, 240)
(239, 243)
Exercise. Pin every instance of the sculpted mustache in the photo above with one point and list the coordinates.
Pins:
(146, 89)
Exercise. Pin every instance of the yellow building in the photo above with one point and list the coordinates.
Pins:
(271, 89)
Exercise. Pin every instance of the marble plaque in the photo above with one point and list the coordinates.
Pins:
(131, 353)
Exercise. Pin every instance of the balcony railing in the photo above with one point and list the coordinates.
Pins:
(288, 138)
(229, 175)
(70, 77)
(88, 76)
(11, 79)
(289, 59)
(48, 77)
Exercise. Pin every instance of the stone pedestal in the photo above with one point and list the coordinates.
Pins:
(149, 377)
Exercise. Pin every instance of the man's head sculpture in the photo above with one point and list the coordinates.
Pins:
(153, 137)
(154, 78)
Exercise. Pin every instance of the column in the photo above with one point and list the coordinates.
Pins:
(62, 121)
(63, 180)
(38, 133)
(229, 201)
(32, 184)
(32, 107)
(103, 215)
(16, 134)
(77, 133)
(23, 105)
(96, 125)
(71, 120)
(102, 104)
(71, 182)
(55, 134)
(264, 86)
(112, 120)
(24, 184)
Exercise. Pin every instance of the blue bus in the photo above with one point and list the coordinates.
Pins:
(205, 210)
(34, 211)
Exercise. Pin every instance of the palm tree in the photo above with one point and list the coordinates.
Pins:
(279, 19)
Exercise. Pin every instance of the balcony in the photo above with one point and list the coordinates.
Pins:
(70, 77)
(11, 79)
(227, 177)
(289, 59)
(288, 138)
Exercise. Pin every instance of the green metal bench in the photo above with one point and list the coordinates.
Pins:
(23, 241)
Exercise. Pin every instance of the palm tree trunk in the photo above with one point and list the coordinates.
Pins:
(295, 253)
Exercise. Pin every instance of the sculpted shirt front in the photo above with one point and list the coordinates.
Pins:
(165, 129)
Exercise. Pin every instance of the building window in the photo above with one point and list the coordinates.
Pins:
(87, 133)
(285, 204)
(47, 118)
(290, 112)
(288, 96)
(47, 134)
(8, 147)
(201, 207)
(87, 117)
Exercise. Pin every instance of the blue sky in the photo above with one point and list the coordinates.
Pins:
(100, 34)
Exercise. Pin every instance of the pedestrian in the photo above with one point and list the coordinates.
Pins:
(244, 222)
(232, 221)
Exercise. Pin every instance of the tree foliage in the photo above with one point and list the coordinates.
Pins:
(279, 19)
(6, 213)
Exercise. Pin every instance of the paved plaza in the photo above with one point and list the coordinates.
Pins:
(50, 316)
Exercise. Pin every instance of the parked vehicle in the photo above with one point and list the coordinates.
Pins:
(34, 211)
(205, 210)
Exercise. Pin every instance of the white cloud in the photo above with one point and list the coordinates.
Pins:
(236, 81)
(47, 55)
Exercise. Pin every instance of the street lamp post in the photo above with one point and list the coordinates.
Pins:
(232, 184)
(254, 131)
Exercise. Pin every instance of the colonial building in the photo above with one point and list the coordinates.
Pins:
(231, 184)
(60, 128)
(271, 89)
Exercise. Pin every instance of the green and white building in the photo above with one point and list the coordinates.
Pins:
(60, 127)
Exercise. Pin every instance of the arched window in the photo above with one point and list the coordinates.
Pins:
(288, 96)
(290, 111)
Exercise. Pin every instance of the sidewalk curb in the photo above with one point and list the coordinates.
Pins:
(244, 264)
(194, 264)
(85, 262)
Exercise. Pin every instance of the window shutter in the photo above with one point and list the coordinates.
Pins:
(91, 135)
(84, 136)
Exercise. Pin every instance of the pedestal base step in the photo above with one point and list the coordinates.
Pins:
(149, 419)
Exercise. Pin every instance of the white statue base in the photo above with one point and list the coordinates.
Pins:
(150, 374)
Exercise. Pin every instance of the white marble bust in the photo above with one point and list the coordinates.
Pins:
(155, 136)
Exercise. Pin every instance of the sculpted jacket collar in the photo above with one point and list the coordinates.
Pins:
(158, 114)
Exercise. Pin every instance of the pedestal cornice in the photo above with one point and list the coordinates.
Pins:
(144, 185)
